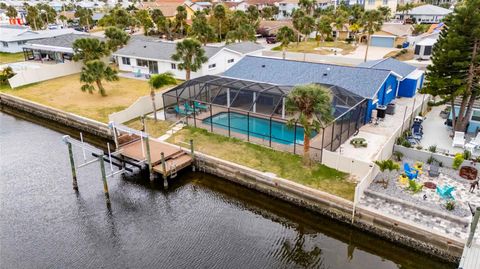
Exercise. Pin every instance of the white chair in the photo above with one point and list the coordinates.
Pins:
(473, 144)
(459, 140)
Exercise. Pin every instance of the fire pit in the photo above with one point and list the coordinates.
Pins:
(430, 185)
(468, 172)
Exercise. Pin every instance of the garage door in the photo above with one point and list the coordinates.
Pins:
(382, 41)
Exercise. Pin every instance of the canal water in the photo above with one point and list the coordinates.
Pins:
(201, 222)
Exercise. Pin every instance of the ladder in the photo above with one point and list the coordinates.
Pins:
(173, 170)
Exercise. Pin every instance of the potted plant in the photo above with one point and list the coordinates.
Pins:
(386, 165)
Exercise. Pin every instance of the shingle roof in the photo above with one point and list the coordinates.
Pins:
(429, 10)
(362, 81)
(390, 64)
(139, 47)
(64, 41)
(244, 47)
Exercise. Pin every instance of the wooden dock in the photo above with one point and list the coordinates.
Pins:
(175, 158)
(471, 252)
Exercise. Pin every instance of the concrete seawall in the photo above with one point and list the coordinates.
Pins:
(388, 227)
(55, 115)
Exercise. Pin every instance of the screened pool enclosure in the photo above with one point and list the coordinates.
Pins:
(255, 111)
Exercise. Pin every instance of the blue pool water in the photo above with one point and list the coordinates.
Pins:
(258, 127)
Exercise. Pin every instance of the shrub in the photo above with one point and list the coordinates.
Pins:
(6, 73)
(432, 148)
(467, 155)
(457, 161)
(419, 147)
(400, 140)
(329, 39)
(450, 205)
(398, 155)
(399, 46)
(406, 143)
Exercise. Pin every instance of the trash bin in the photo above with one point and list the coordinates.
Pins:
(390, 109)
(381, 111)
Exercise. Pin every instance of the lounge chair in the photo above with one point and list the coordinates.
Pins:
(473, 144)
(200, 106)
(188, 108)
(446, 192)
(417, 131)
(414, 186)
(181, 111)
(411, 173)
(434, 170)
(459, 140)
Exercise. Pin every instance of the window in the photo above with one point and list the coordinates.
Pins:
(141, 62)
(389, 89)
(427, 50)
(5, 44)
(417, 50)
(125, 60)
(174, 66)
(385, 2)
(230, 61)
(371, 2)
(476, 115)
(21, 42)
(212, 66)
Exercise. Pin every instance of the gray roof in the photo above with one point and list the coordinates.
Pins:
(362, 81)
(244, 47)
(64, 41)
(391, 64)
(156, 49)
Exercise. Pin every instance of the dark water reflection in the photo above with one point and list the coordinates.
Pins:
(201, 222)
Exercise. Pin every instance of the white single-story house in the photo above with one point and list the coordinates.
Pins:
(425, 14)
(14, 37)
(143, 56)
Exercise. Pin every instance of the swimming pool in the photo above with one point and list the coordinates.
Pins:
(257, 127)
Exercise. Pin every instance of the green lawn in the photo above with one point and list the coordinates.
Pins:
(11, 57)
(323, 48)
(283, 164)
(155, 129)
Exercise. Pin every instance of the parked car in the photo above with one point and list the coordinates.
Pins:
(271, 39)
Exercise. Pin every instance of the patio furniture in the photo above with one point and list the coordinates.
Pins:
(445, 192)
(138, 73)
(188, 108)
(411, 173)
(417, 131)
(459, 140)
(181, 111)
(434, 170)
(359, 142)
(430, 185)
(468, 172)
(200, 106)
(473, 144)
(403, 179)
(415, 186)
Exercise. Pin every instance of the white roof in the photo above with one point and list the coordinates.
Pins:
(9, 34)
(427, 42)
(429, 10)
(416, 74)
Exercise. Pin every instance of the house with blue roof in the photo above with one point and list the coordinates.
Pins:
(411, 78)
(379, 86)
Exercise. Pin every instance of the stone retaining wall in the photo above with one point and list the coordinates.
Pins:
(68, 119)
(393, 229)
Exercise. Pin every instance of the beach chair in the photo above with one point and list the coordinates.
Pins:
(200, 106)
(459, 140)
(188, 108)
(181, 111)
(414, 186)
(473, 144)
(411, 173)
(445, 192)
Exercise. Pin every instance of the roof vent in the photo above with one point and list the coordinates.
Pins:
(144, 46)
(263, 65)
(325, 73)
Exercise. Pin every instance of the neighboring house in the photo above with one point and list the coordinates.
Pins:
(152, 57)
(270, 28)
(234, 5)
(168, 7)
(423, 44)
(199, 6)
(13, 37)
(410, 77)
(374, 4)
(57, 49)
(379, 86)
(474, 122)
(391, 35)
(425, 14)
(286, 7)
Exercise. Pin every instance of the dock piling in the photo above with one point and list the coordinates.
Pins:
(72, 164)
(149, 160)
(192, 154)
(164, 168)
(104, 179)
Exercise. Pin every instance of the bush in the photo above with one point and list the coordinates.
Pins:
(467, 155)
(432, 148)
(419, 147)
(407, 144)
(329, 39)
(6, 73)
(399, 46)
(350, 40)
(400, 140)
(398, 155)
(450, 205)
(457, 161)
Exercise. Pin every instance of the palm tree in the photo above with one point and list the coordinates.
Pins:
(385, 11)
(116, 38)
(88, 49)
(285, 35)
(308, 6)
(219, 14)
(307, 26)
(201, 29)
(180, 17)
(297, 20)
(191, 56)
(311, 105)
(372, 21)
(156, 82)
(11, 12)
(340, 21)
(386, 165)
(63, 19)
(94, 72)
(323, 27)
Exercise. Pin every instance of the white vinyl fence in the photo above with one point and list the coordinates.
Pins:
(142, 106)
(46, 72)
